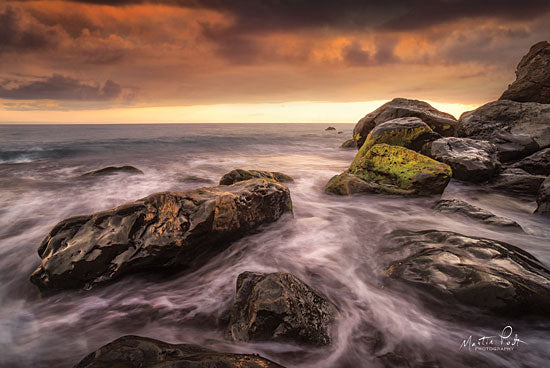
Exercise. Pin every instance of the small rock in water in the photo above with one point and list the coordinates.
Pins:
(350, 143)
(140, 352)
(543, 198)
(194, 179)
(476, 213)
(111, 170)
(237, 175)
(280, 307)
(330, 128)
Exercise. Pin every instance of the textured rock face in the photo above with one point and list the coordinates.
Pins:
(536, 164)
(280, 307)
(491, 276)
(517, 181)
(161, 231)
(517, 129)
(471, 160)
(543, 198)
(440, 122)
(473, 212)
(411, 133)
(237, 175)
(140, 352)
(111, 170)
(395, 169)
(532, 82)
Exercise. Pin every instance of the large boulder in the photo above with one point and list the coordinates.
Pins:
(471, 160)
(280, 307)
(112, 170)
(140, 352)
(491, 276)
(237, 175)
(537, 164)
(532, 82)
(517, 181)
(518, 129)
(456, 206)
(171, 230)
(440, 122)
(399, 170)
(543, 198)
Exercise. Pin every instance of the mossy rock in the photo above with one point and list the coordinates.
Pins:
(402, 168)
(348, 184)
(237, 175)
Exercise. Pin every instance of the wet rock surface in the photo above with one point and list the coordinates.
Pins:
(237, 175)
(536, 164)
(491, 276)
(280, 307)
(517, 129)
(543, 198)
(517, 181)
(442, 123)
(112, 170)
(532, 82)
(350, 143)
(456, 206)
(170, 230)
(139, 352)
(471, 160)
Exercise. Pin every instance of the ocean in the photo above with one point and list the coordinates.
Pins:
(332, 243)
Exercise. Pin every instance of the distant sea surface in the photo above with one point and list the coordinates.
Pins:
(331, 243)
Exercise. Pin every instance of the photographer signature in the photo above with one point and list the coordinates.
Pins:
(501, 342)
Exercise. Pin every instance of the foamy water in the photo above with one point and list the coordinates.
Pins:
(335, 244)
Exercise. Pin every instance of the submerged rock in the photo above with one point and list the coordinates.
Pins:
(194, 179)
(410, 133)
(350, 143)
(532, 82)
(543, 198)
(140, 352)
(517, 181)
(518, 129)
(442, 123)
(398, 170)
(280, 307)
(237, 175)
(471, 160)
(473, 212)
(537, 164)
(111, 170)
(492, 276)
(170, 230)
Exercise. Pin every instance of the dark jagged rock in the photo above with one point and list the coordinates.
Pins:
(537, 164)
(111, 170)
(170, 230)
(517, 181)
(237, 175)
(350, 143)
(471, 160)
(280, 307)
(517, 129)
(440, 122)
(140, 352)
(330, 128)
(492, 276)
(473, 212)
(532, 82)
(543, 198)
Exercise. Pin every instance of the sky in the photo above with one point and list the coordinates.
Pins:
(169, 61)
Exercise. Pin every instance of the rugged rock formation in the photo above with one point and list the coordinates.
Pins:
(111, 170)
(491, 276)
(237, 175)
(473, 212)
(350, 143)
(440, 122)
(141, 352)
(517, 181)
(532, 82)
(518, 129)
(543, 198)
(471, 160)
(162, 231)
(280, 307)
(411, 133)
(536, 164)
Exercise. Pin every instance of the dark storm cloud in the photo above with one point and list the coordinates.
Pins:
(59, 87)
(14, 36)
